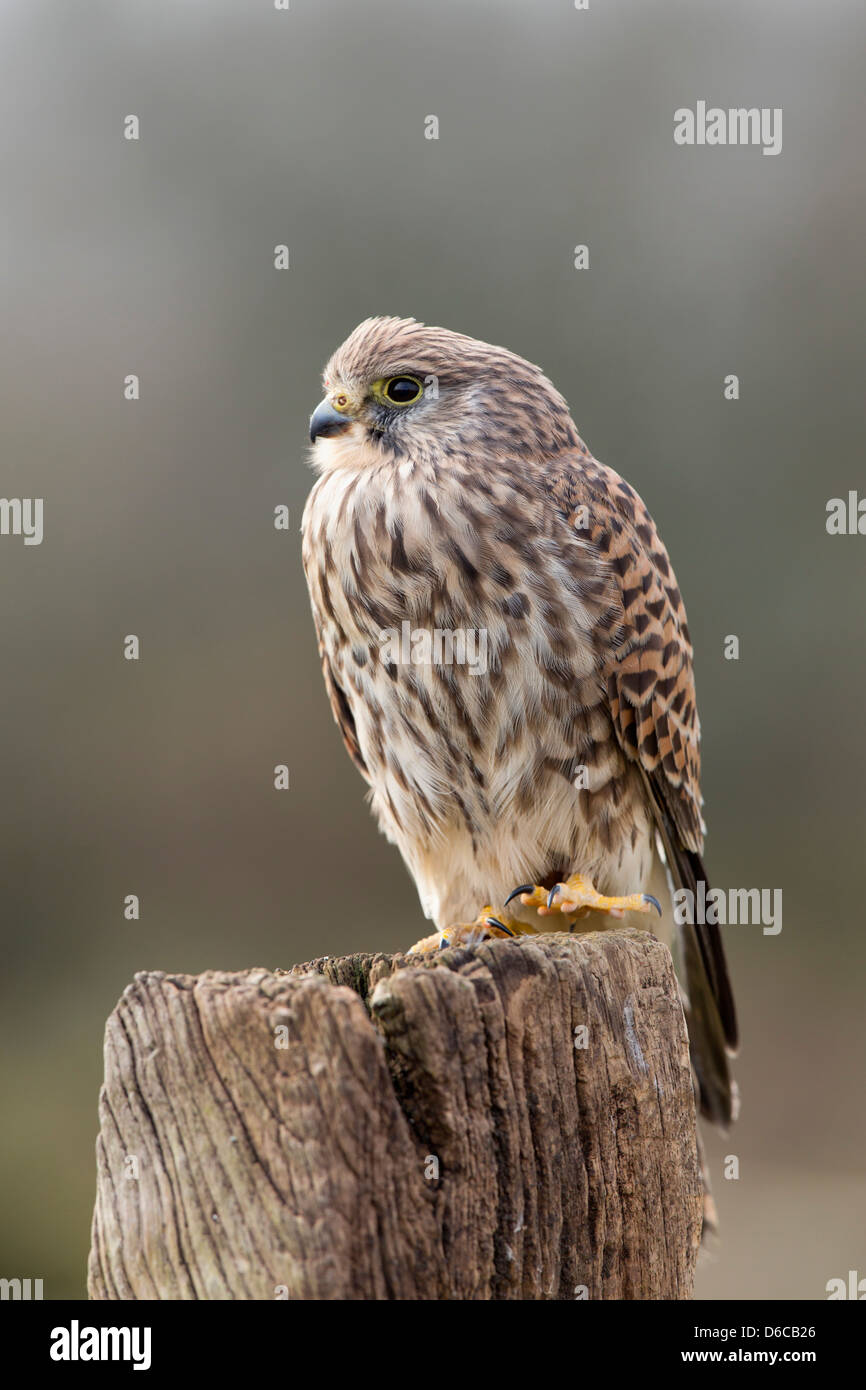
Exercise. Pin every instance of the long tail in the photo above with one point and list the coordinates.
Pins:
(708, 998)
(709, 1001)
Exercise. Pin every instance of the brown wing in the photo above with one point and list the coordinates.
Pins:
(647, 659)
(647, 669)
(340, 706)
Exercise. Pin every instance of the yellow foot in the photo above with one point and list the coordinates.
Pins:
(486, 926)
(578, 896)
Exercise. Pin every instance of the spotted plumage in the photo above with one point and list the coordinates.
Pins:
(475, 507)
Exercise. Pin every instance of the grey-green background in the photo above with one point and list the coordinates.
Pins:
(156, 257)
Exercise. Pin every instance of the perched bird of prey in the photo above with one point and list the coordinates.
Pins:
(553, 780)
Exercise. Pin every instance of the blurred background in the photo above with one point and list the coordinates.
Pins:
(155, 257)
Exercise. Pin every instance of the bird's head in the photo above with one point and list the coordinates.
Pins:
(398, 388)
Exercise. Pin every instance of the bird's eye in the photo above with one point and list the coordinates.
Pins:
(402, 390)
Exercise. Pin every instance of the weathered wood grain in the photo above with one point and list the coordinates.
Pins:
(379, 1127)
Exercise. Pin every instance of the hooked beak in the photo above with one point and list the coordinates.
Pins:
(325, 421)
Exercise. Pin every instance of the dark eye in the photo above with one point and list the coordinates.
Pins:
(402, 390)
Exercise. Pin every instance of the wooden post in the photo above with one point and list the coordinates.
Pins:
(511, 1122)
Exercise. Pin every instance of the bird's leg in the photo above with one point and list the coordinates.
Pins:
(487, 926)
(577, 896)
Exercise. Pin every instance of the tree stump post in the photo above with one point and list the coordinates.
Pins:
(511, 1122)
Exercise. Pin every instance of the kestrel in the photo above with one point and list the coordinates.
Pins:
(507, 656)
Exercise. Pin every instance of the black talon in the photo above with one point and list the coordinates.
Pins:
(552, 894)
(524, 888)
(648, 898)
(495, 922)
